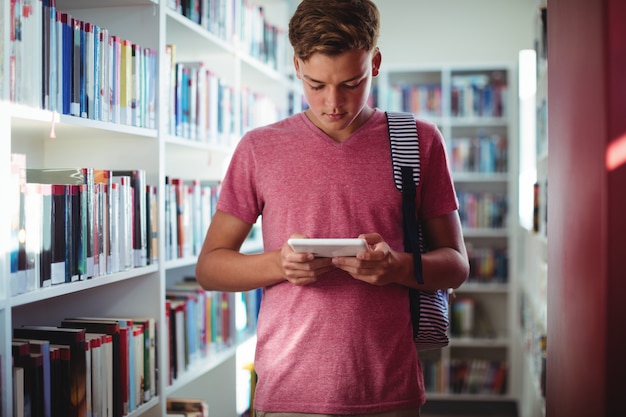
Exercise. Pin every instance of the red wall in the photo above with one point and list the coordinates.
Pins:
(586, 209)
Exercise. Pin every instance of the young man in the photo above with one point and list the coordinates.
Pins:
(334, 334)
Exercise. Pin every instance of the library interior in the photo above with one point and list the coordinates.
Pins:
(118, 123)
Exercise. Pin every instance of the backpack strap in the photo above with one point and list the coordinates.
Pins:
(405, 156)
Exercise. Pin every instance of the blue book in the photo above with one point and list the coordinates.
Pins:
(67, 60)
(82, 48)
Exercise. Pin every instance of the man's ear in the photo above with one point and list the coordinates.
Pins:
(296, 65)
(376, 61)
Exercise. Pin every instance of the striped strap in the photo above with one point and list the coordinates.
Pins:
(405, 150)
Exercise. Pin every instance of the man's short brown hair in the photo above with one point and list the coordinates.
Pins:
(332, 27)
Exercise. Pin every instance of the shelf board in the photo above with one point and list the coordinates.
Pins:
(46, 124)
(41, 294)
(478, 287)
(92, 4)
(468, 397)
(483, 177)
(483, 342)
(485, 232)
(201, 367)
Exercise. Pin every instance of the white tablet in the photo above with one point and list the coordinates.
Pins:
(328, 247)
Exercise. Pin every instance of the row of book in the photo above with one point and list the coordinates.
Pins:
(482, 154)
(202, 107)
(423, 100)
(488, 265)
(243, 21)
(189, 207)
(479, 95)
(85, 366)
(72, 224)
(482, 209)
(204, 322)
(82, 70)
(465, 376)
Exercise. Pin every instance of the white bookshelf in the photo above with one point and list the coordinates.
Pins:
(533, 220)
(495, 294)
(82, 142)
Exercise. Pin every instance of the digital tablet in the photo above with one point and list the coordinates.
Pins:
(328, 247)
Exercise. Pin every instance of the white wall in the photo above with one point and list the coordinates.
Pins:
(455, 32)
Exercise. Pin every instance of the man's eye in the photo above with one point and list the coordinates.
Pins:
(316, 87)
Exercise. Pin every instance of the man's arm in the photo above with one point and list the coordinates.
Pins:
(221, 267)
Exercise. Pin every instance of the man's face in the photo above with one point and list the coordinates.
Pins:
(337, 89)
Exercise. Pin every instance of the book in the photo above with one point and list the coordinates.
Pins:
(33, 210)
(139, 204)
(45, 273)
(102, 215)
(82, 50)
(34, 397)
(66, 62)
(113, 261)
(55, 380)
(177, 337)
(75, 98)
(152, 224)
(198, 407)
(146, 356)
(98, 371)
(60, 224)
(41, 348)
(17, 246)
(18, 391)
(125, 78)
(124, 222)
(63, 403)
(83, 177)
(105, 75)
(20, 350)
(75, 339)
(119, 355)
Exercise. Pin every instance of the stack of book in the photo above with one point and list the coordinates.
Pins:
(72, 224)
(88, 71)
(104, 364)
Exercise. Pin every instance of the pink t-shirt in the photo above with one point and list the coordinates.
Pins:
(339, 346)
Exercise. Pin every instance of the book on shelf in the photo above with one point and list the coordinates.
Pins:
(41, 348)
(484, 153)
(124, 224)
(79, 70)
(191, 407)
(111, 329)
(19, 403)
(139, 231)
(75, 339)
(132, 341)
(477, 376)
(152, 225)
(55, 381)
(34, 384)
(463, 316)
(482, 209)
(60, 226)
(17, 245)
(86, 197)
(177, 341)
(479, 94)
(63, 401)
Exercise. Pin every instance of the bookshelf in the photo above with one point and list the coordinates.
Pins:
(533, 218)
(474, 107)
(239, 74)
